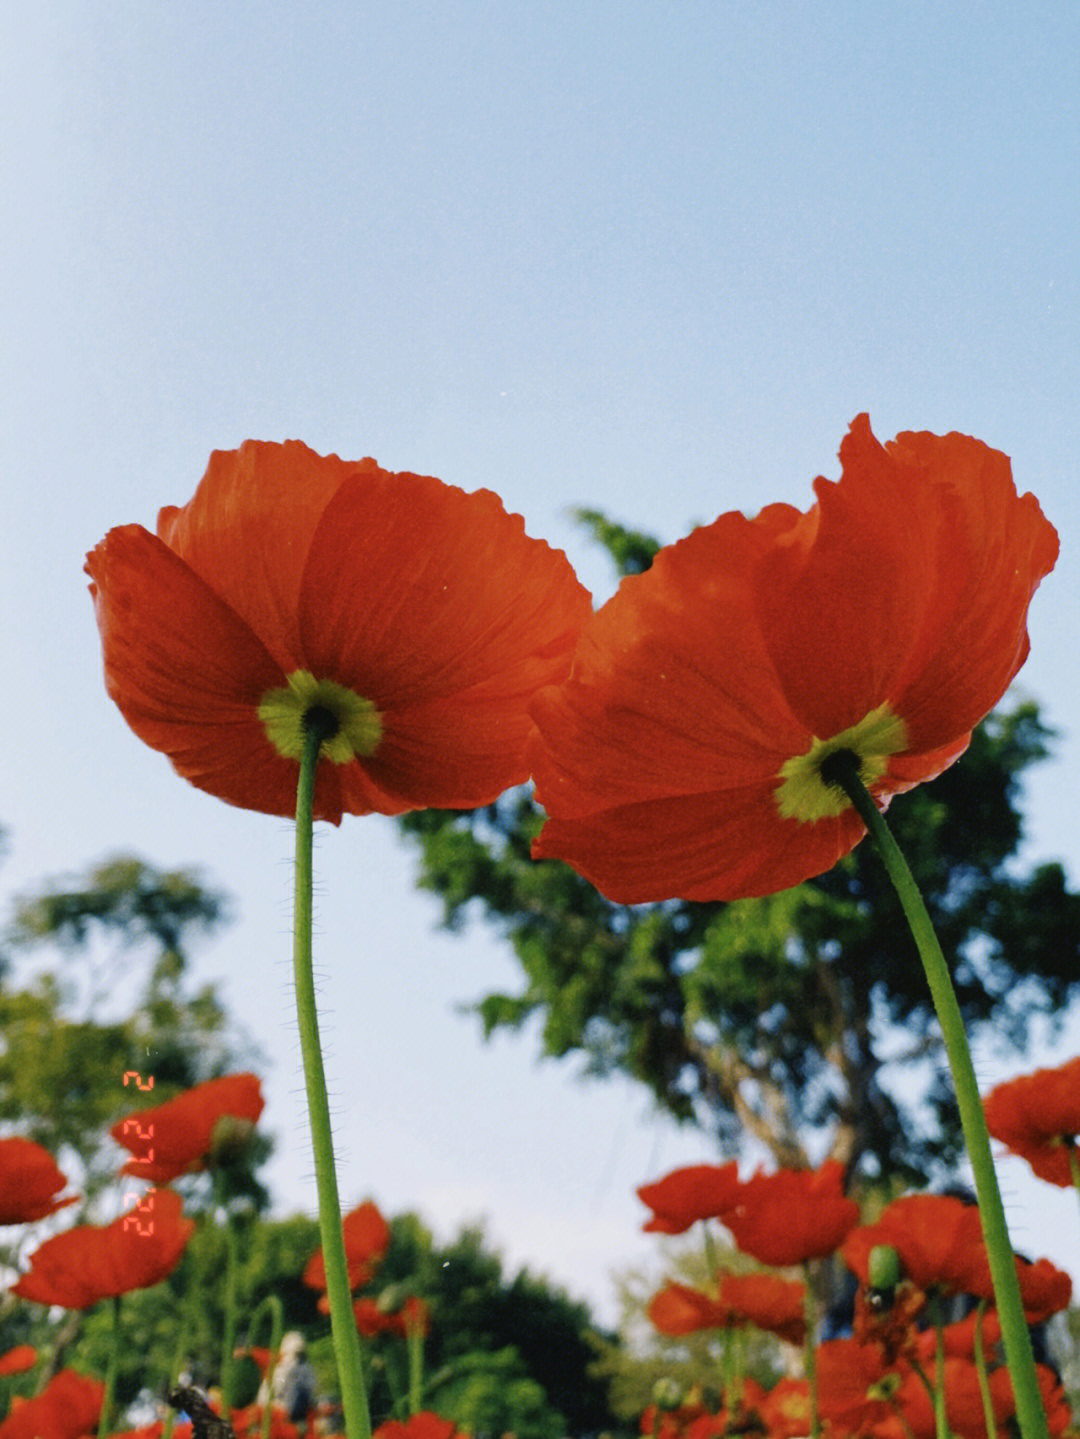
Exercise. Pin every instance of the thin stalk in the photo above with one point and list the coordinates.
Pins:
(941, 1423)
(843, 771)
(414, 1339)
(980, 1369)
(1074, 1164)
(111, 1372)
(231, 1266)
(342, 1321)
(271, 1305)
(179, 1351)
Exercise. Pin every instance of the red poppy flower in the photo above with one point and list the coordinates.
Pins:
(372, 1318)
(793, 1215)
(1038, 1117)
(759, 1299)
(785, 1410)
(69, 1406)
(778, 1305)
(856, 1386)
(420, 617)
(77, 1268)
(18, 1360)
(681, 1198)
(684, 755)
(679, 1309)
(367, 1238)
(963, 1401)
(940, 1242)
(247, 1423)
(181, 1136)
(424, 1425)
(29, 1179)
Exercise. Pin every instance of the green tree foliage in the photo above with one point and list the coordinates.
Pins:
(502, 1356)
(123, 929)
(804, 1011)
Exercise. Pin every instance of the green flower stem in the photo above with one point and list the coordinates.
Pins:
(980, 1369)
(228, 1366)
(271, 1305)
(941, 1422)
(111, 1372)
(414, 1339)
(1029, 1410)
(1074, 1165)
(342, 1320)
(179, 1351)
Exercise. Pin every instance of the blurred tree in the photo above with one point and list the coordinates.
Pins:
(802, 1012)
(123, 933)
(502, 1355)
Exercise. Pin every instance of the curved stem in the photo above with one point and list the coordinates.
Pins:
(1021, 1362)
(273, 1306)
(342, 1321)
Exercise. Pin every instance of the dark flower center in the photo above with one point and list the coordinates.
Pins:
(838, 767)
(321, 720)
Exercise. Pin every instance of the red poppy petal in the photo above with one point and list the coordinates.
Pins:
(188, 674)
(179, 1133)
(277, 493)
(697, 847)
(842, 598)
(671, 691)
(998, 548)
(415, 590)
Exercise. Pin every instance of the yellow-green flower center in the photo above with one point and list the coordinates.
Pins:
(804, 794)
(286, 712)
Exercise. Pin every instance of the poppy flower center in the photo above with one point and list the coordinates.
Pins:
(807, 791)
(350, 724)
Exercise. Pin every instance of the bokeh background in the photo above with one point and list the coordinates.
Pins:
(650, 258)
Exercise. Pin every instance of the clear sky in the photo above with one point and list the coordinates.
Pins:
(647, 257)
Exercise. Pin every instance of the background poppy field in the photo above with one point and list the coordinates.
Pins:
(650, 261)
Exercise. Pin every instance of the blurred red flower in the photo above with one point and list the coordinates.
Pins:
(679, 1309)
(763, 1300)
(683, 757)
(247, 1423)
(371, 1318)
(367, 1238)
(180, 1136)
(940, 1243)
(785, 1410)
(420, 617)
(681, 1198)
(424, 1425)
(793, 1215)
(18, 1360)
(766, 1301)
(69, 1406)
(963, 1401)
(137, 1250)
(856, 1386)
(1038, 1117)
(29, 1180)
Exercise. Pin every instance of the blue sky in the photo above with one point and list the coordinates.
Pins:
(647, 257)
